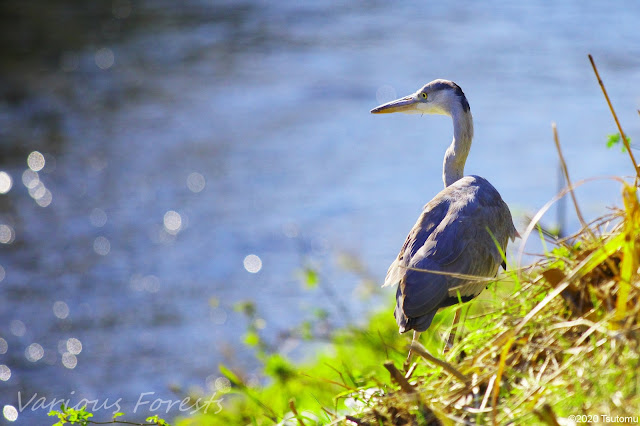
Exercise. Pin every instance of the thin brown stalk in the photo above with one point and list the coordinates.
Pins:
(452, 333)
(450, 274)
(332, 415)
(420, 350)
(333, 382)
(496, 386)
(547, 415)
(294, 410)
(615, 117)
(398, 377)
(565, 171)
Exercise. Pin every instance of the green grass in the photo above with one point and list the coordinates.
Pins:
(559, 339)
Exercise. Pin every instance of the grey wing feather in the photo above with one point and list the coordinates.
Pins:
(450, 236)
(432, 215)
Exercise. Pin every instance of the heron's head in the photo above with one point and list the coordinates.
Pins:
(438, 97)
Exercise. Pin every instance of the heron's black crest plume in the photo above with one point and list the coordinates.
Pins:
(446, 84)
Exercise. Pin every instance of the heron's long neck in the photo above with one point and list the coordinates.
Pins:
(456, 155)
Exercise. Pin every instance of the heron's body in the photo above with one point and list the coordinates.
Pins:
(461, 231)
(452, 236)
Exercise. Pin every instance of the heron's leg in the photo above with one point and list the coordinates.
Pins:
(452, 335)
(416, 336)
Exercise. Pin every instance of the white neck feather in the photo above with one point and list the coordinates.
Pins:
(456, 155)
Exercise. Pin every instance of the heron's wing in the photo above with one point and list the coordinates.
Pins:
(456, 233)
(424, 237)
(424, 292)
(432, 215)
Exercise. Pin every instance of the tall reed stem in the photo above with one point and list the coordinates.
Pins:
(615, 117)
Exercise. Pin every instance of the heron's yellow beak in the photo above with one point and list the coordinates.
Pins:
(405, 104)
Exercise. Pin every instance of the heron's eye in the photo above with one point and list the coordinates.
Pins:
(423, 95)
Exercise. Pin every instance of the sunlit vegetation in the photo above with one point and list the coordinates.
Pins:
(558, 339)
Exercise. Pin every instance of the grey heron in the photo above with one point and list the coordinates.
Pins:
(461, 231)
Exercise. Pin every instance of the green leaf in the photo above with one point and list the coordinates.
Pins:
(613, 139)
(247, 307)
(279, 368)
(311, 277)
(320, 314)
(306, 330)
(157, 420)
(230, 375)
(251, 338)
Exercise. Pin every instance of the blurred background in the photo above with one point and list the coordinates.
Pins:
(163, 162)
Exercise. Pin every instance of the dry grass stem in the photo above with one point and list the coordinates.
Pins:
(565, 172)
(615, 117)
(420, 350)
(398, 377)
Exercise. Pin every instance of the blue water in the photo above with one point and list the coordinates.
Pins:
(269, 103)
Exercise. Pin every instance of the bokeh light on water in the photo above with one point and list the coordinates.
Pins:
(7, 234)
(36, 161)
(10, 413)
(5, 373)
(252, 263)
(196, 182)
(74, 346)
(69, 360)
(44, 198)
(104, 58)
(5, 182)
(101, 246)
(34, 352)
(172, 222)
(60, 309)
(17, 328)
(98, 217)
(30, 179)
(222, 384)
